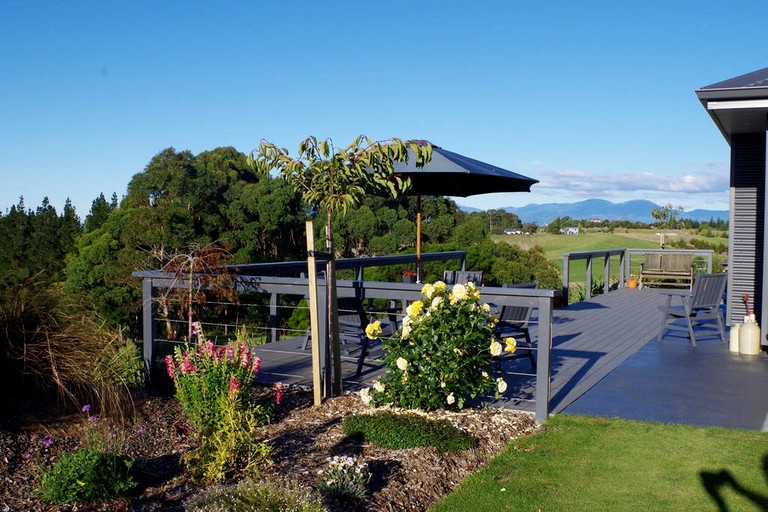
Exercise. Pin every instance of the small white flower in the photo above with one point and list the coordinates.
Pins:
(402, 363)
(365, 396)
(450, 399)
(501, 385)
(378, 386)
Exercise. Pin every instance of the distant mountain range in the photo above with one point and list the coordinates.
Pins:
(638, 210)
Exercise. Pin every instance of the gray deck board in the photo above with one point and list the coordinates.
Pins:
(591, 339)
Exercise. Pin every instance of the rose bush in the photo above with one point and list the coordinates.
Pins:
(442, 352)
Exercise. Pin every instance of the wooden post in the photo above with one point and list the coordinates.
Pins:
(149, 328)
(317, 387)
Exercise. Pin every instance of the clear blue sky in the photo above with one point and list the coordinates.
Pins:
(594, 99)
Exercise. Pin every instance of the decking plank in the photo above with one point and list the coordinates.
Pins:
(590, 340)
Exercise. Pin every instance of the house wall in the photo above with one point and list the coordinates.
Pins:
(746, 244)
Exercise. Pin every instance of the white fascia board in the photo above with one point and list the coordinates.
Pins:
(737, 104)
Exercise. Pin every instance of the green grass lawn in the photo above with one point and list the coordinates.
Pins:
(555, 245)
(592, 464)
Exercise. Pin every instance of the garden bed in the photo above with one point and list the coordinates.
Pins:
(303, 438)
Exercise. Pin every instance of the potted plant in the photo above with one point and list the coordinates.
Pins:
(409, 276)
(632, 281)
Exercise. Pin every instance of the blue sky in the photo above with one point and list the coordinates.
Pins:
(595, 100)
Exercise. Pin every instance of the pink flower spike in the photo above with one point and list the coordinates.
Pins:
(234, 387)
(169, 366)
(278, 387)
(230, 354)
(256, 366)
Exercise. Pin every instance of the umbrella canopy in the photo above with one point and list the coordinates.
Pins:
(452, 174)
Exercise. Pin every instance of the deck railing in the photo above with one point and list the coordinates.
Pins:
(276, 286)
(625, 265)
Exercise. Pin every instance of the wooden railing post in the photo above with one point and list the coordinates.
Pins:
(543, 363)
(566, 276)
(150, 327)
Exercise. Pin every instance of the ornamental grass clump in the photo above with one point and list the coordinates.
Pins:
(442, 353)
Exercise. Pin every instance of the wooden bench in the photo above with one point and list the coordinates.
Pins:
(674, 269)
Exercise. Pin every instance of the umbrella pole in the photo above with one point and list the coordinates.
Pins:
(418, 239)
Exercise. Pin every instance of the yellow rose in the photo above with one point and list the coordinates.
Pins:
(459, 292)
(486, 307)
(414, 308)
(428, 290)
(436, 302)
(511, 345)
(373, 330)
(440, 286)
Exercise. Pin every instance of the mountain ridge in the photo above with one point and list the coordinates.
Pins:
(635, 210)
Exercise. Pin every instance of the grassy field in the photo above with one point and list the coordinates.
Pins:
(555, 245)
(579, 463)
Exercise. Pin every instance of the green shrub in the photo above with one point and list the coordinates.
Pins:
(344, 481)
(86, 475)
(442, 352)
(256, 496)
(231, 447)
(207, 377)
(401, 431)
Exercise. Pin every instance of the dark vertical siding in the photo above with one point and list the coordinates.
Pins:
(747, 228)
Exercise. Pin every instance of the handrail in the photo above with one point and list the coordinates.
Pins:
(359, 264)
(540, 299)
(625, 264)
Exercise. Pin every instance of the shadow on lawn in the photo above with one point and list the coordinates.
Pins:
(715, 482)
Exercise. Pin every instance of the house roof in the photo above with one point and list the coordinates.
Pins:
(757, 78)
(739, 104)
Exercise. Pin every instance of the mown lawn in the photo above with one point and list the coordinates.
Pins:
(579, 463)
(555, 245)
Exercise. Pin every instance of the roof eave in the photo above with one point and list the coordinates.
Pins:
(724, 95)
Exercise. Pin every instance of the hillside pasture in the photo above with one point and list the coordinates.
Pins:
(554, 246)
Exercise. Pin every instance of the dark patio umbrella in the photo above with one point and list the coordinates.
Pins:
(452, 174)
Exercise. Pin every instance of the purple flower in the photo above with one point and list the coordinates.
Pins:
(86, 407)
(93, 419)
(47, 442)
(142, 430)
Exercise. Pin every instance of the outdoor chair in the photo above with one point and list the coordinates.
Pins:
(353, 319)
(449, 276)
(465, 276)
(699, 307)
(513, 321)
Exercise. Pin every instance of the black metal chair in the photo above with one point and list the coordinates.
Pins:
(353, 319)
(465, 276)
(513, 322)
(699, 307)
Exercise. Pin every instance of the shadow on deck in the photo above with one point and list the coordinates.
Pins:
(602, 365)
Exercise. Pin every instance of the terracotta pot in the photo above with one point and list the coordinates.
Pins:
(631, 283)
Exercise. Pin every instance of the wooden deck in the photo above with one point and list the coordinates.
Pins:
(590, 340)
